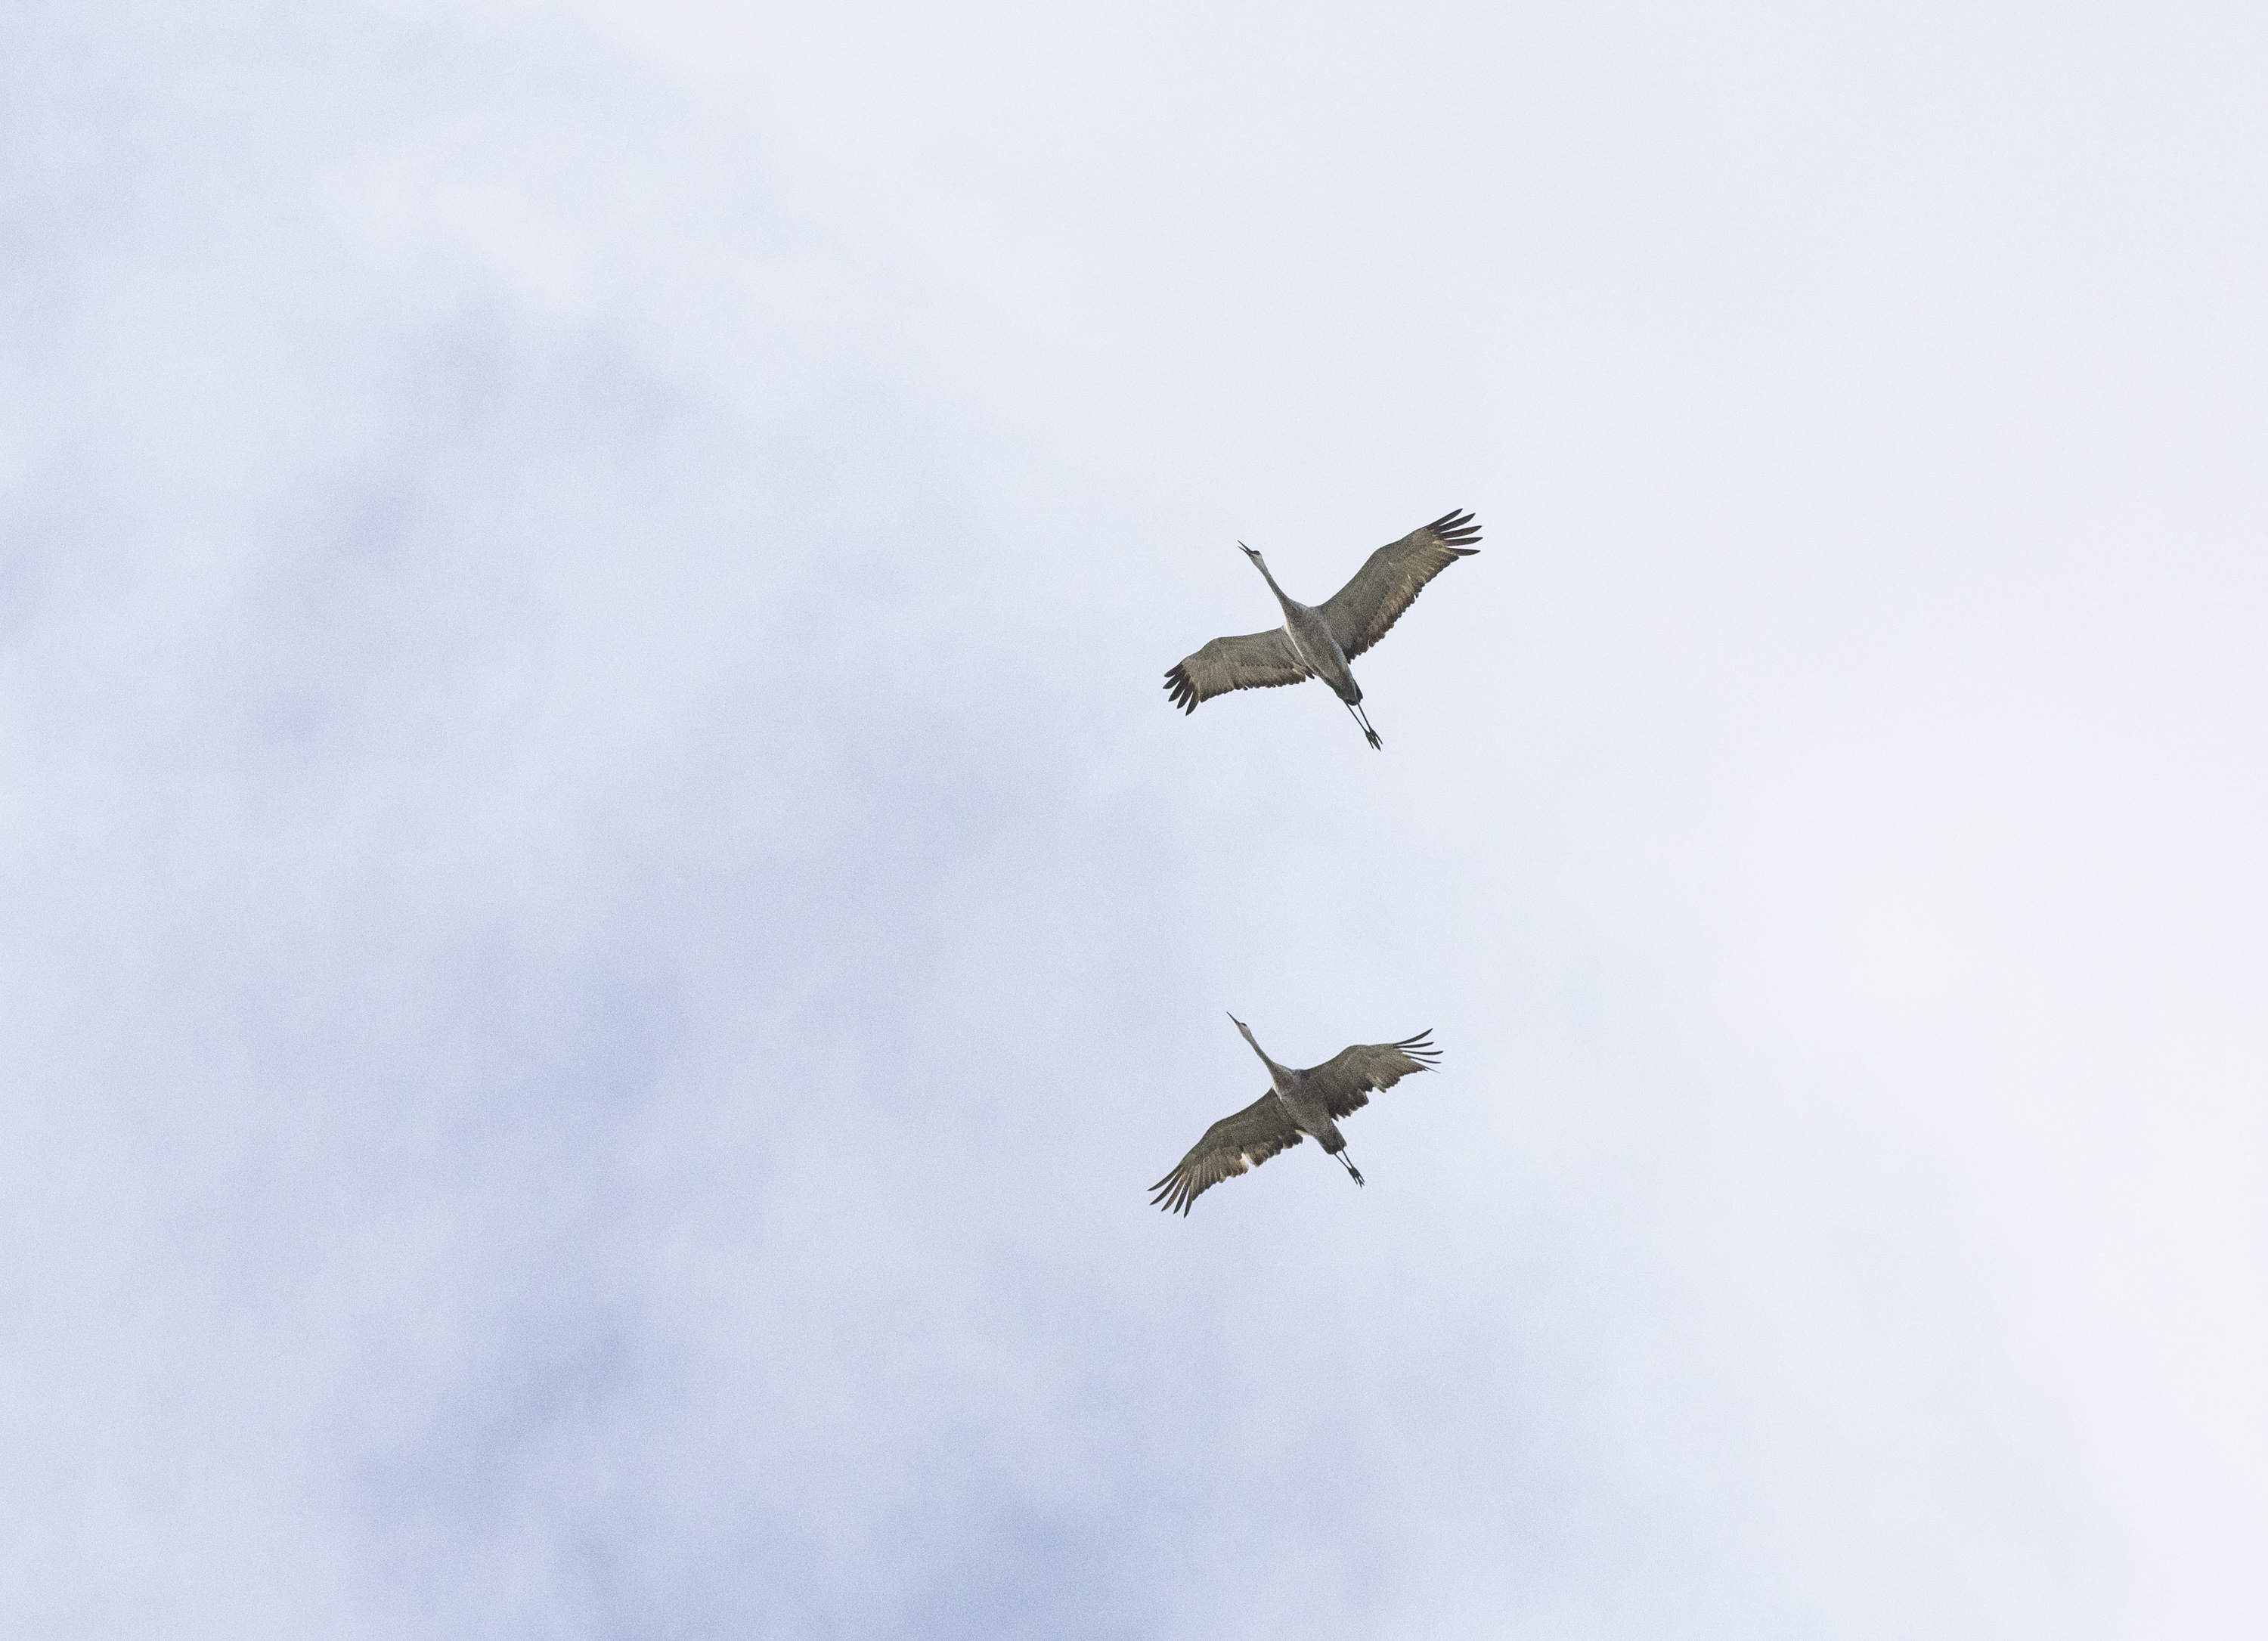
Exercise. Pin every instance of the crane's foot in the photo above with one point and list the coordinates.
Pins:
(1353, 1172)
(1376, 744)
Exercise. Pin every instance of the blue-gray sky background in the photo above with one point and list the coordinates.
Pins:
(602, 918)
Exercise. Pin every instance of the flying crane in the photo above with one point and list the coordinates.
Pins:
(1318, 641)
(1298, 1104)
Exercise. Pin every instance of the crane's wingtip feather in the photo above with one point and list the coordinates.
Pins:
(1180, 691)
(1454, 529)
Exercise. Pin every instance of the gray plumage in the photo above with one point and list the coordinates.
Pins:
(1297, 1105)
(1317, 641)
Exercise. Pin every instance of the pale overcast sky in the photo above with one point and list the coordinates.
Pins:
(603, 918)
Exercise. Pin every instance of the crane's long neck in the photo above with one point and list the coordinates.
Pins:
(1273, 1067)
(1261, 565)
(1255, 1045)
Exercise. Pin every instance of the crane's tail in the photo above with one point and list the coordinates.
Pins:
(1362, 720)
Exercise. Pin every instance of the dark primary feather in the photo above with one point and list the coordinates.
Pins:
(1257, 660)
(1390, 579)
(1345, 1079)
(1231, 1146)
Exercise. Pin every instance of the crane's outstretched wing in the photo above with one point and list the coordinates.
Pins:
(1258, 661)
(1346, 1078)
(1391, 579)
(1233, 1146)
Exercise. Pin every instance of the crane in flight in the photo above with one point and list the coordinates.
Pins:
(1297, 1104)
(1317, 641)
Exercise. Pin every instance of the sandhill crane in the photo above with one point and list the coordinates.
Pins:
(1297, 1103)
(1318, 641)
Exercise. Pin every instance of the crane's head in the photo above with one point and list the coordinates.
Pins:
(1253, 553)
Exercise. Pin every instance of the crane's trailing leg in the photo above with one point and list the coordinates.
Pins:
(1363, 724)
(1353, 1172)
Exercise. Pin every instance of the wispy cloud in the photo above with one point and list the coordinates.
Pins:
(601, 917)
